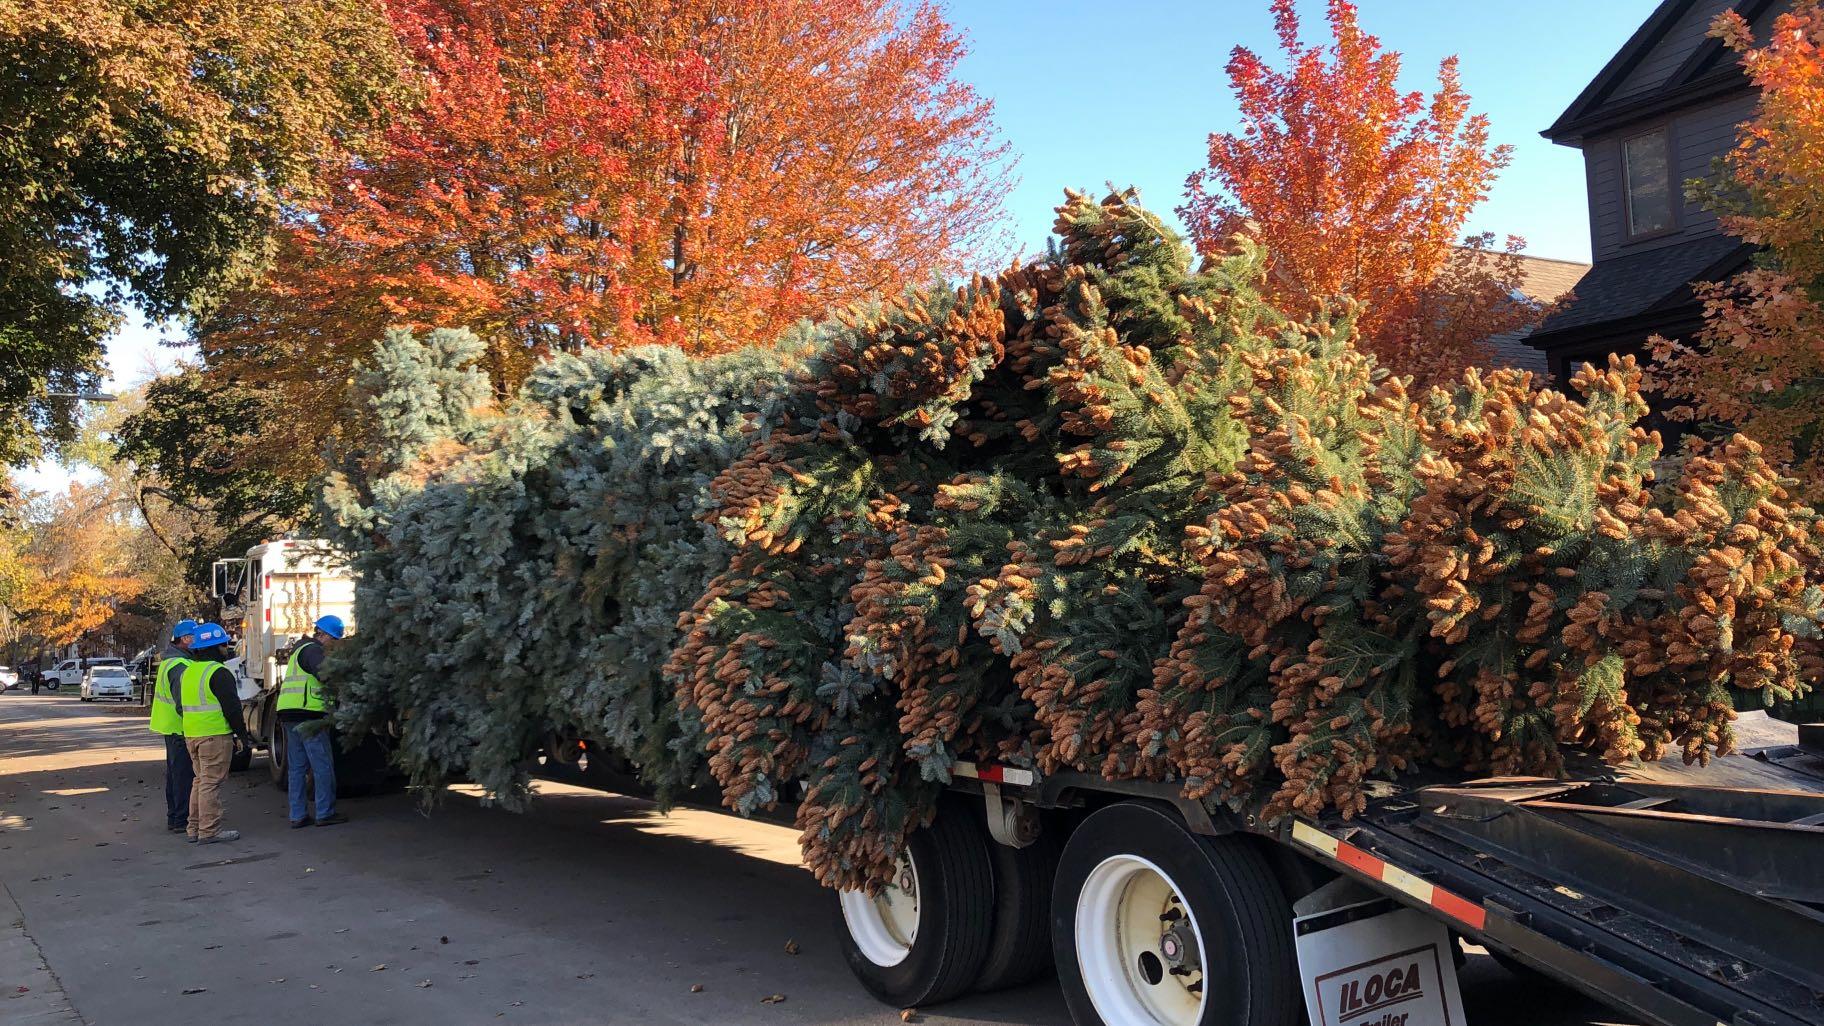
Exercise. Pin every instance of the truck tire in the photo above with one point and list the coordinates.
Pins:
(923, 939)
(275, 754)
(1153, 925)
(1019, 951)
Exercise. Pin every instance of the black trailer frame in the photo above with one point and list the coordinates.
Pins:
(1685, 905)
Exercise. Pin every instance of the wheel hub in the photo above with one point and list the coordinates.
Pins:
(884, 926)
(1138, 946)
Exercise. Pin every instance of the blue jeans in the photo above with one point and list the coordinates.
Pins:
(316, 754)
(178, 776)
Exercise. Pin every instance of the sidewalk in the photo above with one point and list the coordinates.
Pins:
(31, 996)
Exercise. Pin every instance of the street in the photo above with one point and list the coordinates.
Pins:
(592, 908)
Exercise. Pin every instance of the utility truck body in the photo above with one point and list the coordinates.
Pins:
(272, 597)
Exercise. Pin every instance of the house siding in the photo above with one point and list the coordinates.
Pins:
(1680, 42)
(1698, 137)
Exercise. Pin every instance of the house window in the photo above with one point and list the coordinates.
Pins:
(1648, 175)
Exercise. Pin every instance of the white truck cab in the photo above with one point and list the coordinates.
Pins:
(277, 592)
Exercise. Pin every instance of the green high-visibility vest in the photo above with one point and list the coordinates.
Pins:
(203, 716)
(165, 717)
(301, 689)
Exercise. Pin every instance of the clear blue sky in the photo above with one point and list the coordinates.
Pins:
(1089, 91)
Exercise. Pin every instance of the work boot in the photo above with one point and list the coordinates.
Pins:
(177, 828)
(332, 819)
(299, 824)
(226, 835)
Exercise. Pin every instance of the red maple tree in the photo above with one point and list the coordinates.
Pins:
(579, 173)
(1361, 189)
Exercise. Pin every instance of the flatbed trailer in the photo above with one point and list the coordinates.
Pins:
(1681, 896)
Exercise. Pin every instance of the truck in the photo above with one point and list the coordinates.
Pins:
(68, 672)
(270, 598)
(1682, 896)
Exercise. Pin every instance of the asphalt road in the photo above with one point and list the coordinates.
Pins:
(592, 908)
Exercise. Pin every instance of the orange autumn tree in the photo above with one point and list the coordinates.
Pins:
(582, 173)
(1361, 189)
(1758, 363)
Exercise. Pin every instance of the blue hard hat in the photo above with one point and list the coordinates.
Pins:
(183, 627)
(330, 625)
(209, 635)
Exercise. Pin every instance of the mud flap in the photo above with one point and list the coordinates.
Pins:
(1377, 963)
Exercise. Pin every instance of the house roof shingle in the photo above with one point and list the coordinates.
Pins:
(1638, 283)
(1543, 281)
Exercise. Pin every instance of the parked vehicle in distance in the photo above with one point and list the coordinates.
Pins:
(69, 671)
(107, 682)
(9, 679)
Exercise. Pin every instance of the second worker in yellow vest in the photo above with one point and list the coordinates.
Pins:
(210, 704)
(166, 720)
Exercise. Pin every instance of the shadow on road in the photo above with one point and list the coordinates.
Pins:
(589, 908)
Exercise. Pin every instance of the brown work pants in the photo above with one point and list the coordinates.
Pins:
(210, 757)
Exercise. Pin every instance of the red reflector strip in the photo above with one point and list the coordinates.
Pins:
(994, 774)
(1461, 909)
(1359, 860)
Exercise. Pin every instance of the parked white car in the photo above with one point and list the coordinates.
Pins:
(107, 682)
(9, 679)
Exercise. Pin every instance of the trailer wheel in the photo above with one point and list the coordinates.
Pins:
(1153, 925)
(1020, 949)
(923, 938)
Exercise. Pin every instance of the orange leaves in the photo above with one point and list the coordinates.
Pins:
(580, 174)
(1359, 189)
(1755, 364)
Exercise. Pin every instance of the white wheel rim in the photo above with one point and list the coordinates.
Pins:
(884, 925)
(1139, 947)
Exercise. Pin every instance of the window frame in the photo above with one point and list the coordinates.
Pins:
(1675, 189)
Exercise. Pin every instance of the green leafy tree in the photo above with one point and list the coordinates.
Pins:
(145, 151)
(183, 445)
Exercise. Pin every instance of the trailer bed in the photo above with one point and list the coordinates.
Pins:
(1684, 895)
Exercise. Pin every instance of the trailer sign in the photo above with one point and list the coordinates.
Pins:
(1377, 964)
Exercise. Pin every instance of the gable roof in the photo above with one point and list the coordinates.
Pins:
(1707, 71)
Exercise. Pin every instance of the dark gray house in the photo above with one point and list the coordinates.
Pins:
(1659, 113)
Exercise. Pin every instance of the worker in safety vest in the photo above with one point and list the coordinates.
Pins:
(304, 716)
(168, 721)
(211, 707)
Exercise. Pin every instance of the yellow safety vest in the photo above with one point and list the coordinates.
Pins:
(203, 716)
(165, 717)
(301, 689)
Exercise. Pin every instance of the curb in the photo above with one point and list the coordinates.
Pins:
(30, 994)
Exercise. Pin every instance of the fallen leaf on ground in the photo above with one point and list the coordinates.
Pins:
(908, 1015)
(791, 947)
(772, 999)
(424, 983)
(696, 988)
(196, 990)
(378, 968)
